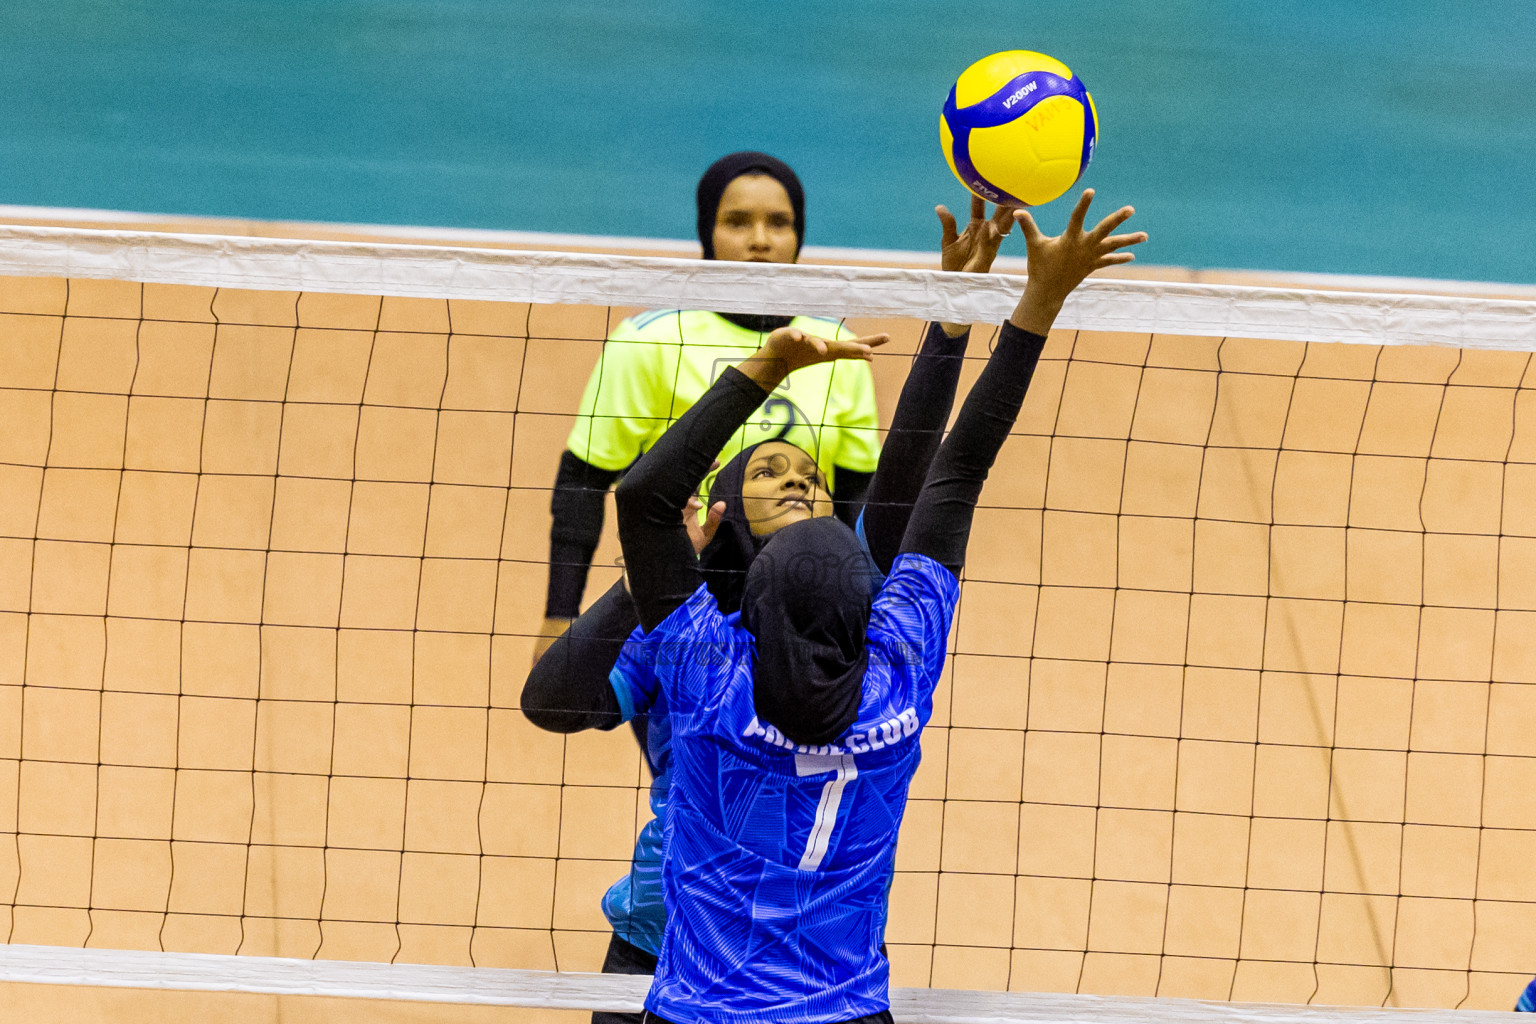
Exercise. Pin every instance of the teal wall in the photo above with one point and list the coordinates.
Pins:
(1359, 136)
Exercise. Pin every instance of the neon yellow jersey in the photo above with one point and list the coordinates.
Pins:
(655, 365)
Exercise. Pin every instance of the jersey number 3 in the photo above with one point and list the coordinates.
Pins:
(844, 772)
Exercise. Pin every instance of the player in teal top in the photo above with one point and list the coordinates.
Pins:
(795, 729)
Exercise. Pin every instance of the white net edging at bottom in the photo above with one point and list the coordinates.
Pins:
(564, 990)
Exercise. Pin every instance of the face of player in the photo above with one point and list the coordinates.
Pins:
(783, 485)
(755, 222)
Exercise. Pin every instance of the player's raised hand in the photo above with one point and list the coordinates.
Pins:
(1058, 264)
(973, 249)
(789, 349)
(798, 349)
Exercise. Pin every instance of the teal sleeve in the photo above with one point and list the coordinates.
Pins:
(633, 677)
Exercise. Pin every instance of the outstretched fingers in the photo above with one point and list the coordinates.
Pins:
(1079, 213)
(863, 348)
(978, 209)
(1114, 220)
(951, 229)
(1002, 219)
(1058, 265)
(988, 239)
(1032, 233)
(1121, 241)
(1113, 259)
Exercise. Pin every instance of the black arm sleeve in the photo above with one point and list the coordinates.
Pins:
(568, 689)
(848, 499)
(917, 427)
(941, 520)
(663, 569)
(577, 508)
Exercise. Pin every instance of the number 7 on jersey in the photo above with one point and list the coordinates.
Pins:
(831, 796)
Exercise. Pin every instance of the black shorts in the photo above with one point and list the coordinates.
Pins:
(624, 958)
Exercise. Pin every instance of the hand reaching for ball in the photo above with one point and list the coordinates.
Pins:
(973, 250)
(1058, 264)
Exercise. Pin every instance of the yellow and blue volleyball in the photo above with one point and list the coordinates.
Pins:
(1018, 128)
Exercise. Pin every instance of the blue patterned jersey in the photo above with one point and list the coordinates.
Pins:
(1527, 1003)
(776, 858)
(633, 905)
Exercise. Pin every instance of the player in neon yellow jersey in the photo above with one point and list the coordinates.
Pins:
(645, 366)
(656, 365)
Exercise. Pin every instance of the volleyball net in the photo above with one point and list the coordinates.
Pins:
(1241, 700)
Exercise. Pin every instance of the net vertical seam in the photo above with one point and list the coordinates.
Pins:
(496, 597)
(410, 777)
(336, 650)
(260, 628)
(186, 590)
(1418, 668)
(106, 610)
(1333, 734)
(1173, 842)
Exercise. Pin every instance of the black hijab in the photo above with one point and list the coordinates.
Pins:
(713, 185)
(725, 559)
(806, 603)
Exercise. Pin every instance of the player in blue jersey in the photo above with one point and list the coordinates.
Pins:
(795, 727)
(585, 682)
(1527, 1001)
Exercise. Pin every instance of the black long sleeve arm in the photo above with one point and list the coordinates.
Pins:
(848, 497)
(941, 520)
(917, 427)
(568, 689)
(577, 508)
(663, 569)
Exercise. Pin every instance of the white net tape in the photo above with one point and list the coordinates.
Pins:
(1153, 307)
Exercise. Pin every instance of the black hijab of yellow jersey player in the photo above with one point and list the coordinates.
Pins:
(712, 187)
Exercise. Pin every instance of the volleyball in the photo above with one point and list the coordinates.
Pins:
(1018, 128)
